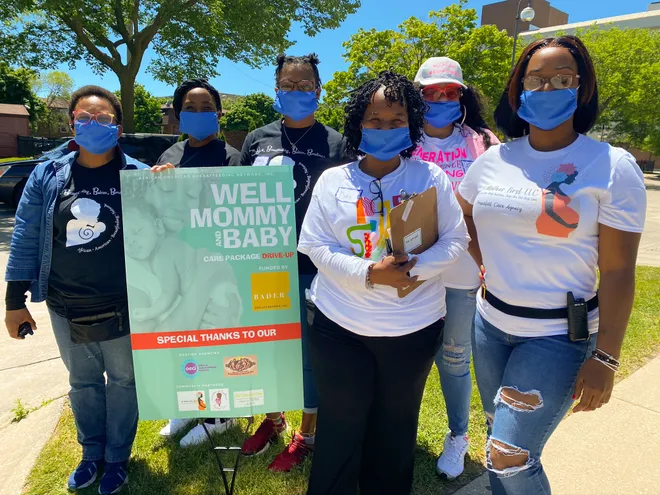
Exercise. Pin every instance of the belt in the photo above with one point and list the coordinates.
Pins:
(534, 313)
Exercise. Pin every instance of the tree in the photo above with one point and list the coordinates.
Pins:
(188, 37)
(57, 86)
(148, 116)
(627, 68)
(16, 88)
(483, 52)
(250, 113)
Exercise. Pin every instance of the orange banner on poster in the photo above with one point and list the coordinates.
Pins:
(201, 338)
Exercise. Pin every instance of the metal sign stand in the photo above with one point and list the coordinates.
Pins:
(217, 450)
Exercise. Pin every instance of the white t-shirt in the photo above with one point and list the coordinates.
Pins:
(343, 233)
(537, 216)
(453, 156)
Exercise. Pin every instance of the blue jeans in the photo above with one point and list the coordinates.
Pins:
(310, 394)
(544, 371)
(453, 359)
(106, 415)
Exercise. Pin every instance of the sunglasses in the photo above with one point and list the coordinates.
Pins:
(560, 81)
(435, 93)
(84, 118)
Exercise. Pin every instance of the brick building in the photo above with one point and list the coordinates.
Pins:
(14, 122)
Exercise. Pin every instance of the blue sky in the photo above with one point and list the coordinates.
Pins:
(380, 14)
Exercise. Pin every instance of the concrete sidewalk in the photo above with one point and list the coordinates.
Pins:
(30, 371)
(612, 451)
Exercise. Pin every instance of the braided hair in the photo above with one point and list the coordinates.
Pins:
(397, 89)
(311, 59)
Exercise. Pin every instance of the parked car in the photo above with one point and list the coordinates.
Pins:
(144, 147)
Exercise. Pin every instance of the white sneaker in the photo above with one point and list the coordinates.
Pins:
(452, 461)
(197, 435)
(174, 426)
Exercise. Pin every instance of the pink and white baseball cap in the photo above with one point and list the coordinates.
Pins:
(440, 70)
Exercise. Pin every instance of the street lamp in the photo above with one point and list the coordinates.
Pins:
(527, 15)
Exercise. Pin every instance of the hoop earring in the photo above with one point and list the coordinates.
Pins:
(464, 115)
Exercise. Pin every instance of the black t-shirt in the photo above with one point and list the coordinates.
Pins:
(217, 153)
(309, 150)
(87, 269)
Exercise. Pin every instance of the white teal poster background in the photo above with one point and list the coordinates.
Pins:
(212, 278)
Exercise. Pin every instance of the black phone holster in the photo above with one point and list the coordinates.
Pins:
(578, 318)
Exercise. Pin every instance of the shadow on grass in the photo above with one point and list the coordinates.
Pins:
(428, 482)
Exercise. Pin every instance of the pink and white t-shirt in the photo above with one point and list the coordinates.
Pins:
(453, 156)
(537, 216)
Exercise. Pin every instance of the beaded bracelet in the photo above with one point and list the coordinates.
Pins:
(613, 367)
(367, 282)
(604, 356)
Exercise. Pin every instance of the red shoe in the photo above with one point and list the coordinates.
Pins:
(265, 435)
(294, 455)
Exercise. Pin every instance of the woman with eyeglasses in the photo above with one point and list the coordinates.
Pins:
(67, 249)
(365, 341)
(552, 209)
(298, 141)
(455, 135)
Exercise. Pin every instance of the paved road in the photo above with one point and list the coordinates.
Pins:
(649, 249)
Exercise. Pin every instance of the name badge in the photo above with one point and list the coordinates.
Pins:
(261, 161)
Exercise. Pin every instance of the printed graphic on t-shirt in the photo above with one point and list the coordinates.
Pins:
(85, 227)
(368, 236)
(302, 179)
(455, 163)
(95, 223)
(557, 218)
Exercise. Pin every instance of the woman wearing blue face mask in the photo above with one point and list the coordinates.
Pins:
(198, 107)
(455, 134)
(67, 250)
(551, 208)
(371, 351)
(299, 141)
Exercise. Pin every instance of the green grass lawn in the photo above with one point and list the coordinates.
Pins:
(160, 467)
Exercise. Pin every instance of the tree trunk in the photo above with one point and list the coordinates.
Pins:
(127, 89)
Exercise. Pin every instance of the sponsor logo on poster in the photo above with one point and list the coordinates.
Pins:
(241, 366)
(248, 398)
(192, 368)
(219, 399)
(191, 401)
(270, 291)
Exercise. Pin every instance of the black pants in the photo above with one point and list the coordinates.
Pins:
(370, 392)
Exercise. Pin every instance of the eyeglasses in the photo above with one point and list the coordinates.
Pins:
(434, 93)
(560, 81)
(84, 118)
(376, 190)
(305, 85)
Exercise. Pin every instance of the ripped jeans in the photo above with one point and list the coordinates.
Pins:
(453, 358)
(526, 386)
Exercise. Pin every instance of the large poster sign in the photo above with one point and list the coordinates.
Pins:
(212, 278)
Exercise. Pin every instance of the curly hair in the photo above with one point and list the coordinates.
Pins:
(181, 92)
(104, 94)
(397, 89)
(312, 60)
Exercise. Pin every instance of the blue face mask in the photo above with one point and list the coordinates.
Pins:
(443, 113)
(385, 145)
(96, 138)
(547, 110)
(296, 104)
(199, 125)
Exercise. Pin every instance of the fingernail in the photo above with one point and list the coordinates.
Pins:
(574, 396)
